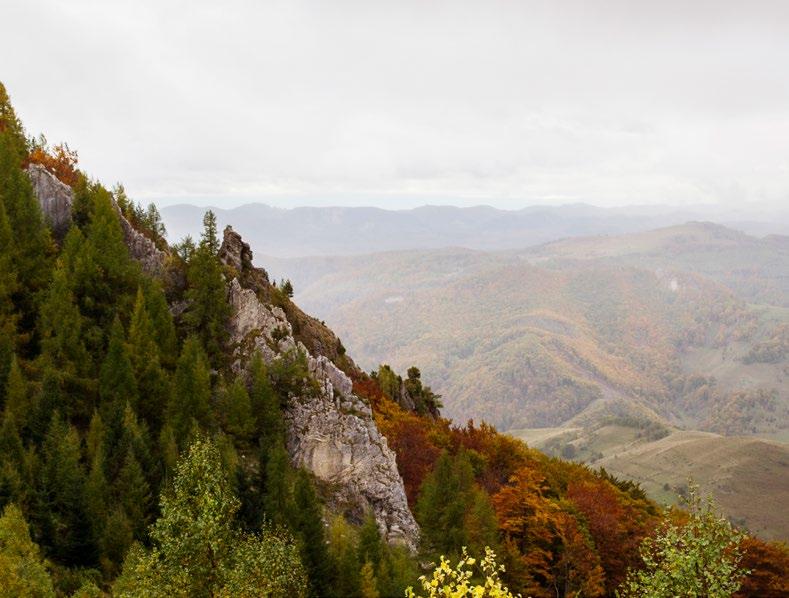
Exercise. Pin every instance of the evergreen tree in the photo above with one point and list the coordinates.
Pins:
(276, 495)
(345, 559)
(265, 404)
(153, 382)
(236, 410)
(161, 321)
(368, 582)
(31, 246)
(117, 383)
(62, 327)
(208, 309)
(64, 519)
(370, 545)
(306, 521)
(192, 392)
(8, 286)
(17, 397)
(23, 571)
(452, 510)
(132, 491)
(97, 496)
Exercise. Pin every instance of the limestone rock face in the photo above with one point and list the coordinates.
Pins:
(56, 199)
(331, 431)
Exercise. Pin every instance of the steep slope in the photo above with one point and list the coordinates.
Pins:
(331, 431)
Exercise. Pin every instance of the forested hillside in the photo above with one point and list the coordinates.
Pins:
(174, 425)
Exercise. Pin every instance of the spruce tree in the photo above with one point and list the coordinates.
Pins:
(31, 246)
(306, 522)
(208, 309)
(132, 491)
(161, 320)
(23, 571)
(191, 393)
(17, 407)
(8, 285)
(153, 382)
(64, 519)
(236, 410)
(117, 383)
(276, 493)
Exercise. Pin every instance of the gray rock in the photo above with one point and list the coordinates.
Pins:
(331, 431)
(56, 199)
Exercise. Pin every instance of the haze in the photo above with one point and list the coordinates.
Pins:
(397, 104)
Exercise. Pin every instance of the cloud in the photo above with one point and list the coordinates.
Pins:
(372, 102)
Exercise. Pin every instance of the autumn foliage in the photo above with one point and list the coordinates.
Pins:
(59, 160)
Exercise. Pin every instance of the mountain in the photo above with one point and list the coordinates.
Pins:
(678, 329)
(172, 423)
(315, 231)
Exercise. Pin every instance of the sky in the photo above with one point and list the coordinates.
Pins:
(403, 103)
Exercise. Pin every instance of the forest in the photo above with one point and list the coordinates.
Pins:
(136, 460)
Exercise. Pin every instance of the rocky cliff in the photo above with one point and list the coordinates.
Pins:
(56, 199)
(331, 431)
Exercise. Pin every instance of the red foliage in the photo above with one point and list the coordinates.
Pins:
(769, 566)
(617, 526)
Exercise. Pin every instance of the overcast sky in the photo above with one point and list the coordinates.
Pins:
(401, 103)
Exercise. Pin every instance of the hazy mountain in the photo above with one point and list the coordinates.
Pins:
(590, 347)
(309, 231)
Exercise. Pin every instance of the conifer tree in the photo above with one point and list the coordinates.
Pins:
(23, 571)
(63, 348)
(161, 321)
(306, 522)
(64, 519)
(117, 383)
(8, 286)
(153, 382)
(276, 493)
(208, 309)
(97, 495)
(132, 491)
(31, 245)
(192, 392)
(17, 399)
(236, 410)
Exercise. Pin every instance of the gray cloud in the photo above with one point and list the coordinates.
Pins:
(396, 103)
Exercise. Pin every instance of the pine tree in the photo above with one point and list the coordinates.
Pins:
(370, 545)
(192, 392)
(132, 491)
(97, 496)
(368, 581)
(306, 522)
(276, 493)
(208, 309)
(23, 571)
(236, 410)
(117, 383)
(65, 522)
(8, 286)
(17, 398)
(31, 246)
(161, 321)
(153, 382)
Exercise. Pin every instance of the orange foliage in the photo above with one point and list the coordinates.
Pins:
(545, 550)
(60, 161)
(616, 525)
(769, 566)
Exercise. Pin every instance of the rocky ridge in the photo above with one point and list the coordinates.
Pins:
(56, 198)
(331, 431)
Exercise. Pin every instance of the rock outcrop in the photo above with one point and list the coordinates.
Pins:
(56, 199)
(331, 431)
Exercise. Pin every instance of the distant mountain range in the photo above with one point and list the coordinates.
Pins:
(608, 349)
(307, 231)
